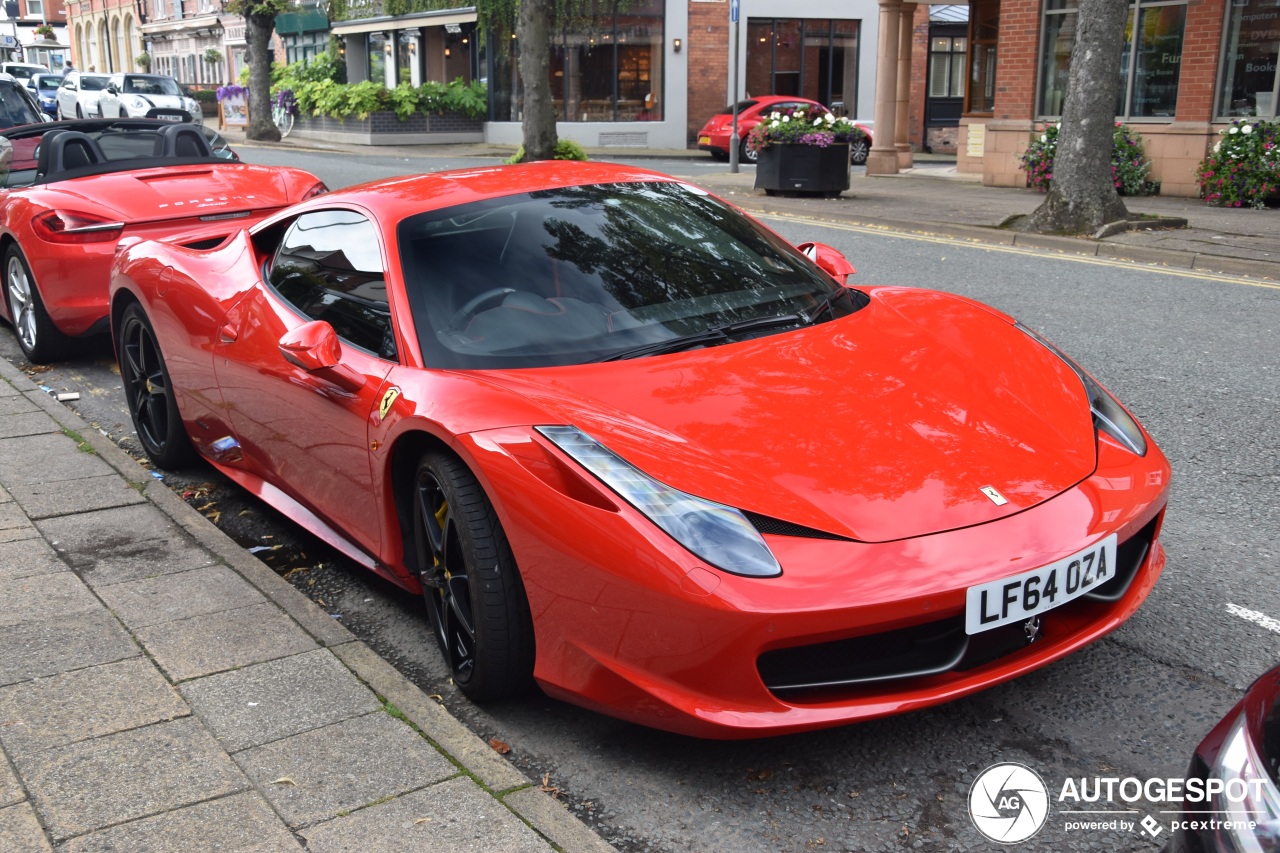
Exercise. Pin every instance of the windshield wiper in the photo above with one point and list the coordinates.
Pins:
(710, 335)
(824, 306)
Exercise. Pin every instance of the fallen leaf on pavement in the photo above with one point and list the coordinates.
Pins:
(284, 780)
(500, 747)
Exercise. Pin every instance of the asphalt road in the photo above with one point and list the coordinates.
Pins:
(1196, 359)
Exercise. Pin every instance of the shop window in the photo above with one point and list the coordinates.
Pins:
(606, 67)
(1149, 66)
(1250, 85)
(814, 58)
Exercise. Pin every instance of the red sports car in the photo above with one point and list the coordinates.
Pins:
(715, 134)
(634, 446)
(70, 190)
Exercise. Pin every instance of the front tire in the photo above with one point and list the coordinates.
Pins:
(746, 155)
(149, 392)
(40, 340)
(475, 598)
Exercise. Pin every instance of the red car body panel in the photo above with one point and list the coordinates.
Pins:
(152, 202)
(878, 428)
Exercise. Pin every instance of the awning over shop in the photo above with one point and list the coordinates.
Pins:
(403, 22)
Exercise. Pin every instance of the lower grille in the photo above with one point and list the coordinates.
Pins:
(928, 649)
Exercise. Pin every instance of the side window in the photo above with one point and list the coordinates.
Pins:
(329, 268)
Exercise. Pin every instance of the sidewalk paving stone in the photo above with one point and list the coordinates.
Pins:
(20, 830)
(24, 558)
(10, 790)
(65, 497)
(342, 767)
(18, 425)
(47, 713)
(269, 701)
(32, 599)
(216, 642)
(455, 816)
(241, 823)
(50, 458)
(35, 649)
(122, 544)
(168, 598)
(97, 783)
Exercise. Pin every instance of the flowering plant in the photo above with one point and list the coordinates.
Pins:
(803, 126)
(1244, 166)
(1129, 165)
(231, 90)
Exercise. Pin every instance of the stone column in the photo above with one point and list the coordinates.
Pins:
(902, 128)
(883, 159)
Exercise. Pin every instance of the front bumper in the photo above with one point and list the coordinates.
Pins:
(630, 624)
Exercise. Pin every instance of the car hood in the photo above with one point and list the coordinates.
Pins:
(175, 192)
(882, 425)
(159, 101)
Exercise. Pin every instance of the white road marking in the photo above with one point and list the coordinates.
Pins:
(1255, 617)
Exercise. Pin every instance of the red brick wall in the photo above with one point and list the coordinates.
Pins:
(1201, 43)
(1016, 59)
(919, 76)
(708, 57)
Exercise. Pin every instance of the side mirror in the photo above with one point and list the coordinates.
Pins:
(315, 348)
(829, 260)
(111, 87)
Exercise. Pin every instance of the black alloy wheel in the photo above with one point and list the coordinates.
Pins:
(474, 595)
(149, 392)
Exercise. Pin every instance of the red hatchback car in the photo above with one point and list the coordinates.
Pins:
(715, 134)
(70, 190)
(632, 445)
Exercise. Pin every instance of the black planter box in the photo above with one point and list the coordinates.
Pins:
(803, 169)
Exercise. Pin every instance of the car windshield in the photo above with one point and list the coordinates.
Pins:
(134, 85)
(589, 273)
(23, 72)
(92, 84)
(14, 108)
(48, 84)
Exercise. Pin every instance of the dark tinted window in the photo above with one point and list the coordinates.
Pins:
(91, 83)
(329, 268)
(743, 106)
(578, 274)
(15, 106)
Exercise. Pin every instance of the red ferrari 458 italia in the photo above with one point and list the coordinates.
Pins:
(69, 191)
(633, 446)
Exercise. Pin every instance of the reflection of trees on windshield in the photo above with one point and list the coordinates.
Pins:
(651, 244)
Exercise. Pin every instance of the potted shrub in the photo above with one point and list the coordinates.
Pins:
(1243, 168)
(1130, 168)
(803, 151)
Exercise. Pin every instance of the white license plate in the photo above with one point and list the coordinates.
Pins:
(1018, 598)
(704, 140)
(169, 117)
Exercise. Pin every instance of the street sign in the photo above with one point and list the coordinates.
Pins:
(733, 11)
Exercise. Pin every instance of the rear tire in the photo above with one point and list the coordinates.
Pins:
(40, 340)
(747, 155)
(149, 392)
(475, 598)
(858, 152)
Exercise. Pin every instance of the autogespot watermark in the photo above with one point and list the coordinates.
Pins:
(1009, 803)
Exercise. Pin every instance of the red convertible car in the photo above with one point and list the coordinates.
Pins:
(70, 190)
(632, 445)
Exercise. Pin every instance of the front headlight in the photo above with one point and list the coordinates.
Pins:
(718, 534)
(1108, 415)
(1254, 799)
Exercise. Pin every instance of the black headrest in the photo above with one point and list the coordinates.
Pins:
(64, 150)
(184, 140)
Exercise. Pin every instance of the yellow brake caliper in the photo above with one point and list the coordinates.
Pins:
(440, 516)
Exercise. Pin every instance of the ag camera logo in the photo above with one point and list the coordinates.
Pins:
(1008, 803)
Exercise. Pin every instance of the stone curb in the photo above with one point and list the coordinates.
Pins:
(504, 782)
(1172, 258)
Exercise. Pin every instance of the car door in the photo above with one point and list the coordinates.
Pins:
(67, 93)
(302, 363)
(109, 103)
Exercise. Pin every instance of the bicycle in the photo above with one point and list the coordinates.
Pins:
(283, 109)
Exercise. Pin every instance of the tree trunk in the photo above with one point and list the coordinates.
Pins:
(534, 37)
(258, 37)
(1082, 197)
